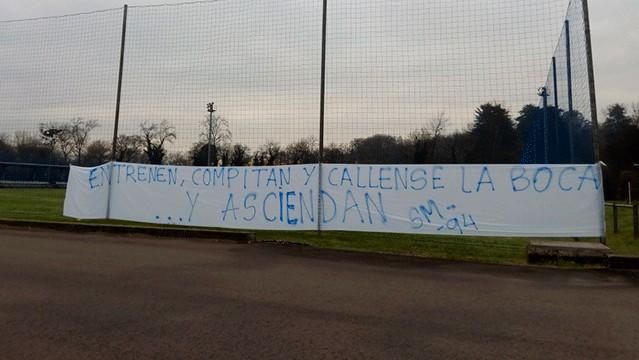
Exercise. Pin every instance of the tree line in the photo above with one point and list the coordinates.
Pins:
(533, 135)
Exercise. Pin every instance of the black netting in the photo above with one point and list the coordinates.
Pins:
(407, 81)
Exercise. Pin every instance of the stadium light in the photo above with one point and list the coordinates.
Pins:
(210, 107)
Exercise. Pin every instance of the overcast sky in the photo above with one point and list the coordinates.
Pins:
(614, 30)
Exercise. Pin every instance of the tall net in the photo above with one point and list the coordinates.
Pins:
(563, 127)
(407, 81)
(56, 72)
(257, 61)
(406, 78)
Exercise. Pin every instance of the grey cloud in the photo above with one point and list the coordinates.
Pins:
(260, 62)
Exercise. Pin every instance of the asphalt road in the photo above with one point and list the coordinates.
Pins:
(65, 296)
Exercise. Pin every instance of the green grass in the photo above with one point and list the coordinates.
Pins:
(46, 205)
(622, 243)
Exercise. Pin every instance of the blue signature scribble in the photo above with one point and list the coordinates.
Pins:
(445, 218)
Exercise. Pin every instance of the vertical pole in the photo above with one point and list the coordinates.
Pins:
(321, 117)
(210, 107)
(569, 78)
(208, 156)
(556, 111)
(555, 93)
(117, 111)
(545, 95)
(117, 101)
(615, 218)
(629, 193)
(322, 85)
(591, 83)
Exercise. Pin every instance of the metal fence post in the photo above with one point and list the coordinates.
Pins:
(591, 83)
(556, 111)
(569, 81)
(117, 100)
(545, 104)
(117, 110)
(321, 119)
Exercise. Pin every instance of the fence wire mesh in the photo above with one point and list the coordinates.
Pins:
(57, 73)
(407, 81)
(568, 122)
(414, 73)
(257, 61)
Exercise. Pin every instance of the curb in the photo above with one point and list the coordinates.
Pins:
(610, 261)
(191, 234)
(623, 262)
(586, 253)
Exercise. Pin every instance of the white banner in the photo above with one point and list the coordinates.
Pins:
(477, 200)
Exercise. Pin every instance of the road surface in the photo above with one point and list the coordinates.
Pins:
(97, 296)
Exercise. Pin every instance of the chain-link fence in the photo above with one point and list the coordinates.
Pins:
(406, 81)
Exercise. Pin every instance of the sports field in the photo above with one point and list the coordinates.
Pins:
(46, 205)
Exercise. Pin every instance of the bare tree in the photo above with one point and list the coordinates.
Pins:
(65, 143)
(420, 139)
(7, 151)
(635, 114)
(22, 137)
(437, 128)
(377, 149)
(240, 155)
(225, 154)
(303, 151)
(220, 135)
(178, 158)
(128, 148)
(97, 153)
(268, 154)
(50, 133)
(155, 136)
(335, 153)
(80, 130)
(30, 148)
(58, 136)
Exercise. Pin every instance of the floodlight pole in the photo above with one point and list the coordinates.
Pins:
(210, 108)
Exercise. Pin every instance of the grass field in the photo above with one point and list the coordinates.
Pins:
(46, 205)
